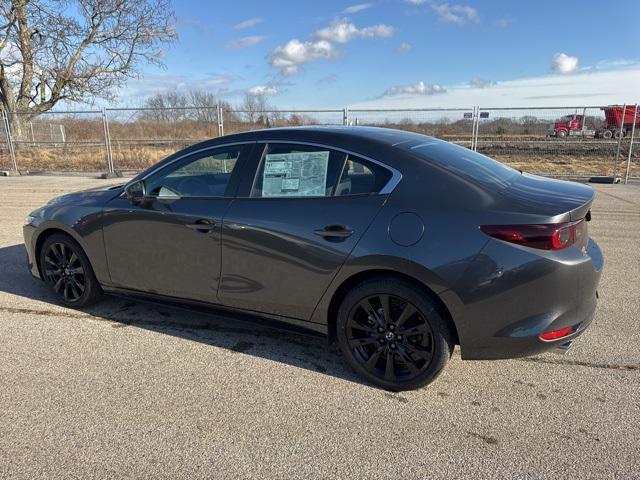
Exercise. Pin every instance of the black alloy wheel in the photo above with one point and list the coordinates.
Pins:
(64, 271)
(390, 337)
(394, 334)
(67, 271)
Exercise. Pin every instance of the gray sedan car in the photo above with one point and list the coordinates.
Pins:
(396, 245)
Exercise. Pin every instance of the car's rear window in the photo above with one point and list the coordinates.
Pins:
(465, 163)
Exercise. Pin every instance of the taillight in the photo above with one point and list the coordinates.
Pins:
(547, 236)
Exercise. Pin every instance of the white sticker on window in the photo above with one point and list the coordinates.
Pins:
(300, 174)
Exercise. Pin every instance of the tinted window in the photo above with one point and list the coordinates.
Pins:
(205, 174)
(288, 170)
(361, 177)
(465, 163)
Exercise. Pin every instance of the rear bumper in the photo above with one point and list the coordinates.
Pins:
(515, 346)
(511, 295)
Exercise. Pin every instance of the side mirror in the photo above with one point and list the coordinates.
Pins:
(136, 192)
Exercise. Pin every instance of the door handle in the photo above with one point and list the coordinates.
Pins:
(334, 231)
(202, 226)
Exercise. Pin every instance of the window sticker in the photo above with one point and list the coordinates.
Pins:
(300, 174)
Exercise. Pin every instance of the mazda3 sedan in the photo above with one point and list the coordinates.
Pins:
(396, 245)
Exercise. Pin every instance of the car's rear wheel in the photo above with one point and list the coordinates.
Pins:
(393, 334)
(67, 271)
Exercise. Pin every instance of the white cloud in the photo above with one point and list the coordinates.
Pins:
(458, 14)
(288, 58)
(419, 88)
(417, 2)
(404, 47)
(248, 23)
(343, 31)
(262, 90)
(563, 63)
(593, 87)
(357, 8)
(245, 42)
(291, 56)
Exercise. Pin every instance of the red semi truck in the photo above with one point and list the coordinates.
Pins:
(573, 125)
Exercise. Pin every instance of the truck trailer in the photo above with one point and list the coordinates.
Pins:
(614, 118)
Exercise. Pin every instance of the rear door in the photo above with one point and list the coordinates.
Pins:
(300, 211)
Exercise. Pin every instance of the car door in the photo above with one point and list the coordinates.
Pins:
(300, 211)
(170, 244)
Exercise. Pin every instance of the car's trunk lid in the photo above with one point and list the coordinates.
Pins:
(548, 197)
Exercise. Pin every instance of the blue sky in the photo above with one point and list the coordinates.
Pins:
(394, 52)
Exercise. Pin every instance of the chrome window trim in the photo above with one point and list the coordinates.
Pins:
(389, 187)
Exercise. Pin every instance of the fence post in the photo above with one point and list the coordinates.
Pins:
(473, 127)
(633, 131)
(10, 146)
(220, 120)
(345, 116)
(615, 165)
(475, 144)
(107, 141)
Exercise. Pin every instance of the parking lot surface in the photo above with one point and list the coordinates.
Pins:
(133, 390)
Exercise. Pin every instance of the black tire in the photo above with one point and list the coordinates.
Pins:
(618, 133)
(607, 134)
(67, 271)
(561, 134)
(418, 350)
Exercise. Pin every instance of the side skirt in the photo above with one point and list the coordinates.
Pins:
(272, 321)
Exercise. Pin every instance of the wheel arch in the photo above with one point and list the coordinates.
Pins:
(52, 230)
(362, 276)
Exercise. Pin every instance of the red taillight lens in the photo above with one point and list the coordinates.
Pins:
(549, 236)
(556, 334)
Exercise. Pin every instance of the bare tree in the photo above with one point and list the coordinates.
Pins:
(76, 50)
(176, 106)
(255, 108)
(166, 107)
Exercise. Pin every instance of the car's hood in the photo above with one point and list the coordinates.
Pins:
(92, 195)
(547, 196)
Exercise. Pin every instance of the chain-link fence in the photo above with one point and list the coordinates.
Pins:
(242, 120)
(75, 141)
(140, 137)
(559, 141)
(454, 125)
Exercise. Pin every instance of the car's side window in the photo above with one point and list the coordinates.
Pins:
(203, 174)
(293, 170)
(361, 177)
(289, 170)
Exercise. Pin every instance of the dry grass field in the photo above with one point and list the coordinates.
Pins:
(132, 157)
(138, 142)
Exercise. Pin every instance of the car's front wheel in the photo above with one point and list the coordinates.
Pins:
(67, 271)
(393, 334)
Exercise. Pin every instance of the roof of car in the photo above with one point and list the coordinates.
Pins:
(386, 136)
